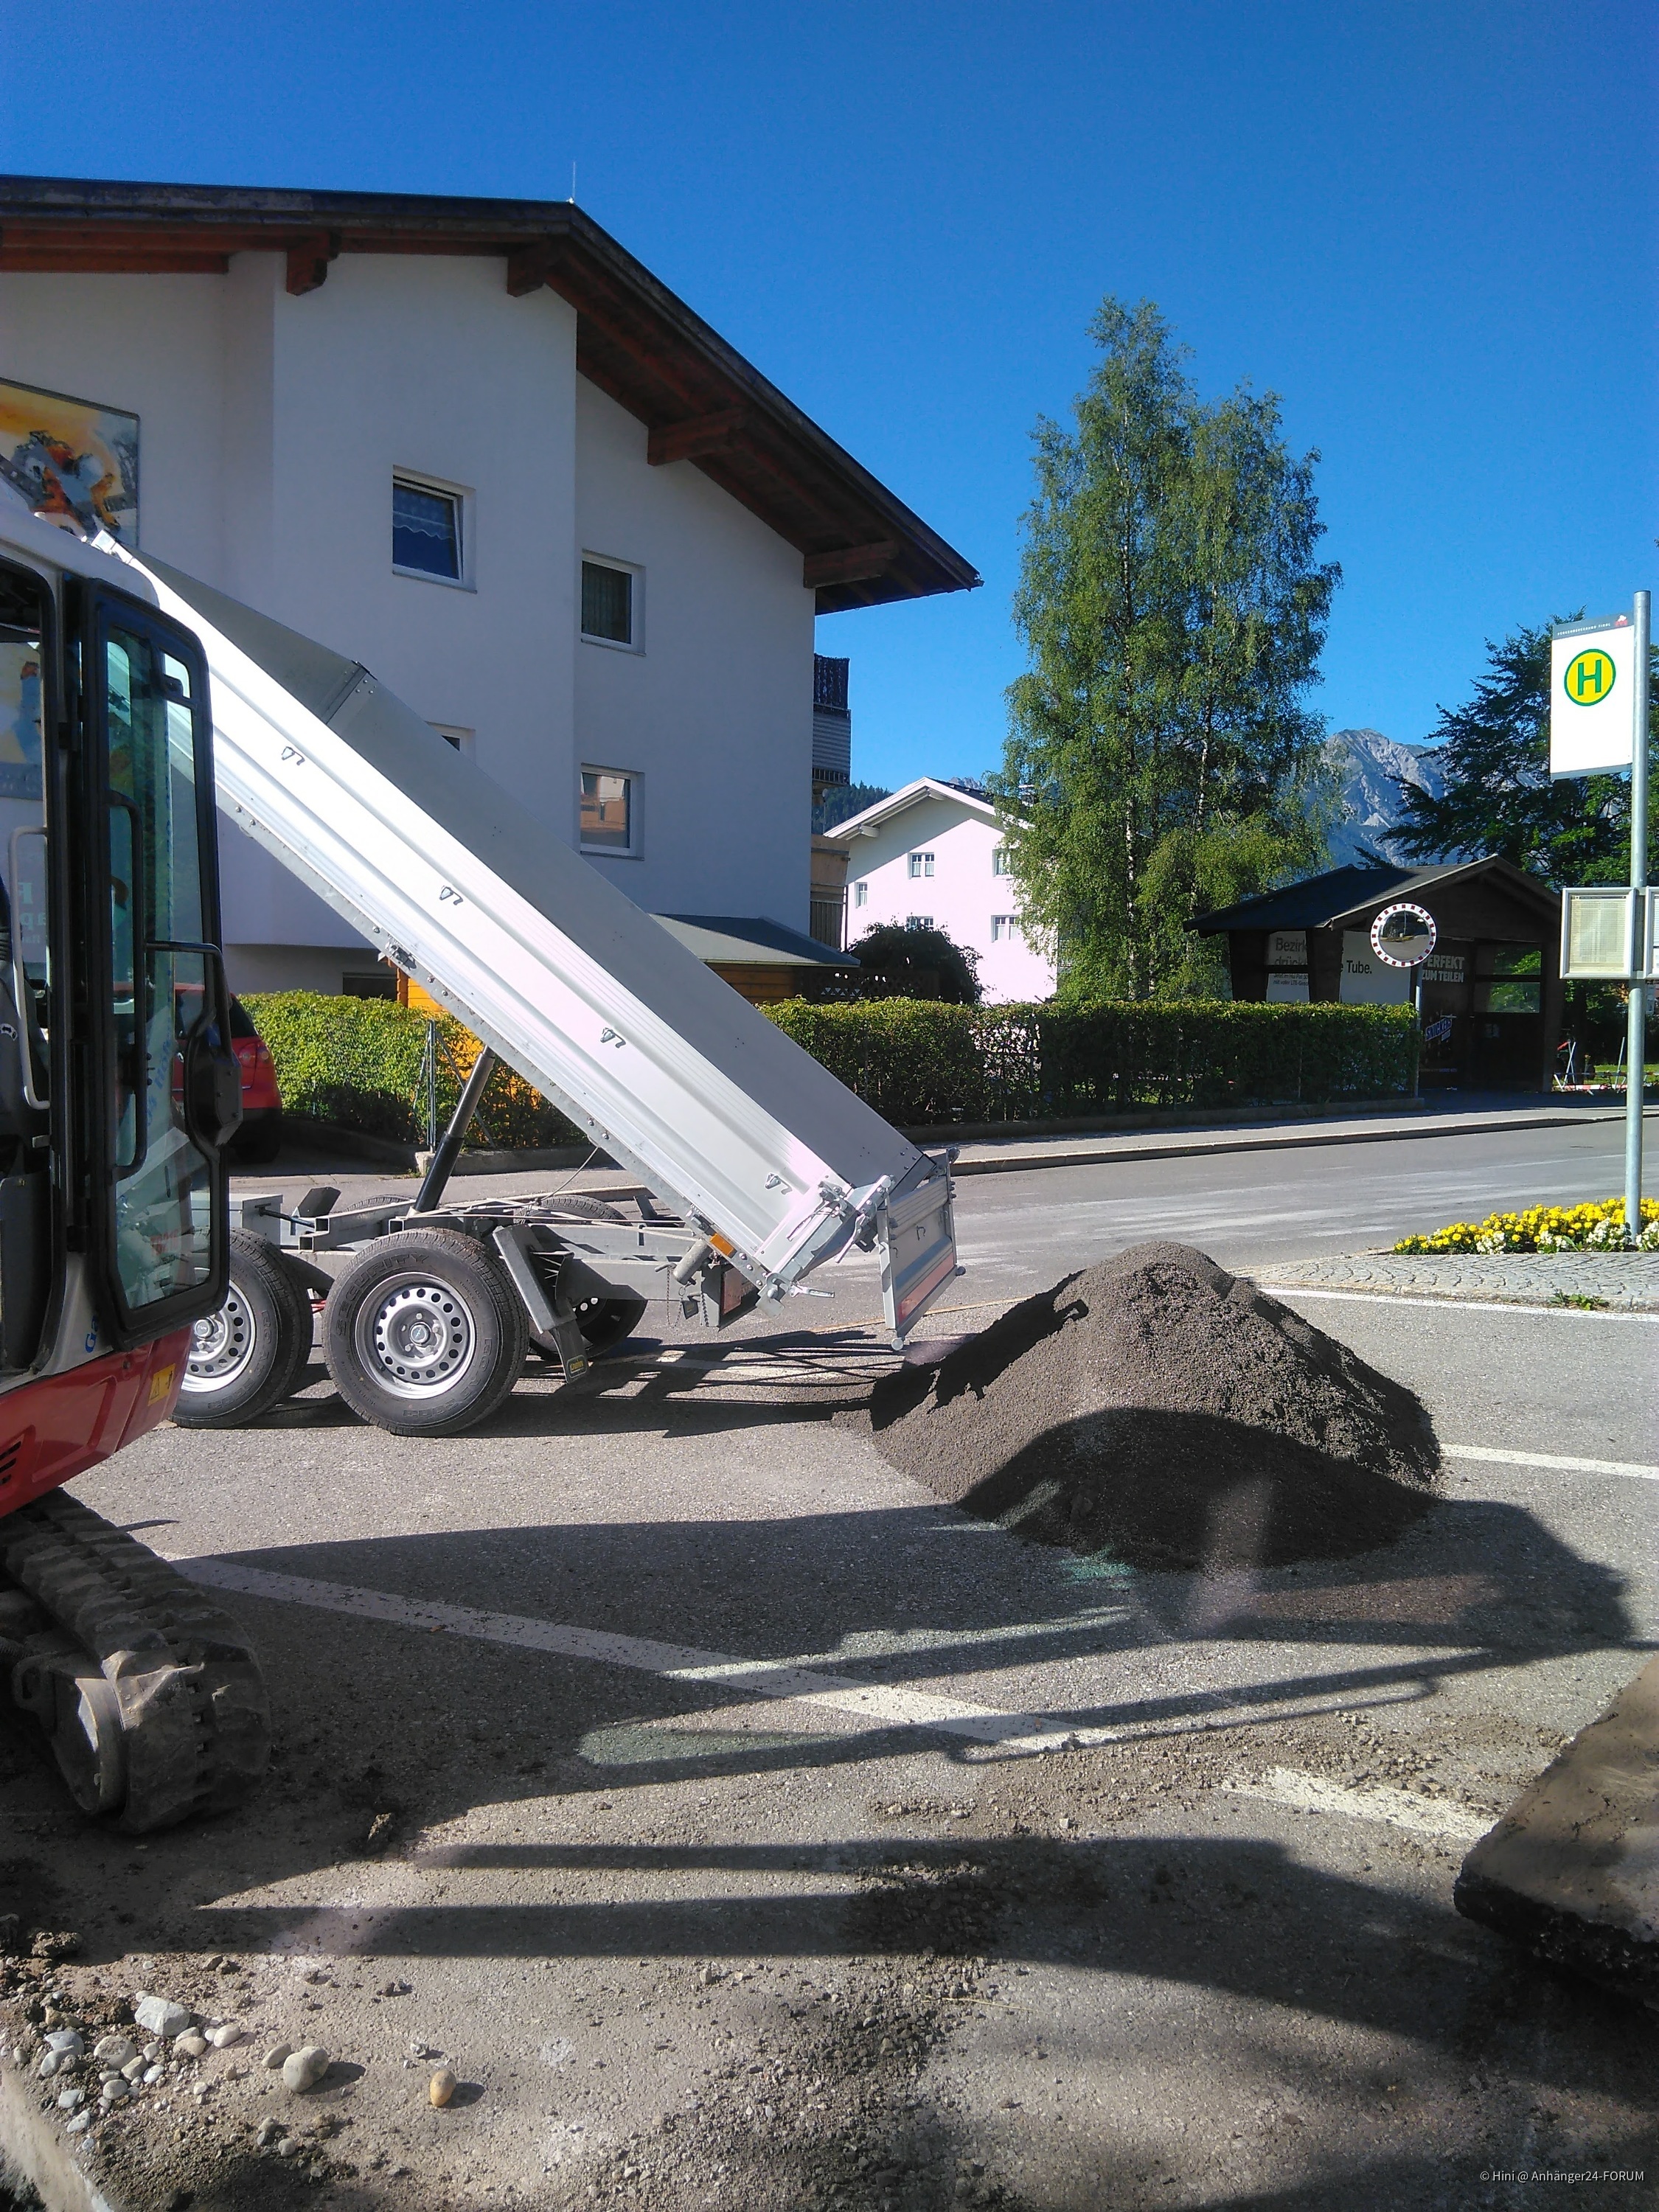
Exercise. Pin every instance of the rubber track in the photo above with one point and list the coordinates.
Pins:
(195, 1716)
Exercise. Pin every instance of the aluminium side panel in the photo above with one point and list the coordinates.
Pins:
(579, 990)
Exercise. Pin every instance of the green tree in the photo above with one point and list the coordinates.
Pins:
(1159, 758)
(1495, 754)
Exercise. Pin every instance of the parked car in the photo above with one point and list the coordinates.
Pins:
(261, 1133)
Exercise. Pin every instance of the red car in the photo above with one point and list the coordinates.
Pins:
(261, 1133)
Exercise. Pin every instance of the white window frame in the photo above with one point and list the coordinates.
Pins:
(636, 644)
(1000, 860)
(1003, 927)
(635, 848)
(456, 734)
(918, 921)
(922, 865)
(418, 480)
(860, 894)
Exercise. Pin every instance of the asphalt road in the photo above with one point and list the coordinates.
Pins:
(760, 1833)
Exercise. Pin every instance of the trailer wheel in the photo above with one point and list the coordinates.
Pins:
(424, 1333)
(253, 1353)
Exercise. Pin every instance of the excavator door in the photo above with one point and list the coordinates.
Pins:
(163, 1093)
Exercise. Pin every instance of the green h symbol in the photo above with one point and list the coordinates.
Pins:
(1589, 677)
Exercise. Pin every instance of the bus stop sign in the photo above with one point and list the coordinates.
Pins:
(1592, 695)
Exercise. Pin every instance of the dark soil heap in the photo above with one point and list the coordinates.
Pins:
(1157, 1407)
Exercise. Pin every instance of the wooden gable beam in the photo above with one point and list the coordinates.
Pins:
(308, 262)
(531, 266)
(698, 433)
(850, 564)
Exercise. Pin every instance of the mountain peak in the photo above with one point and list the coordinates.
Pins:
(1368, 768)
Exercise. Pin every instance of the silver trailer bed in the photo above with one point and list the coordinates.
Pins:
(719, 1114)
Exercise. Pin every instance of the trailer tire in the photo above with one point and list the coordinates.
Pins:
(424, 1333)
(254, 1353)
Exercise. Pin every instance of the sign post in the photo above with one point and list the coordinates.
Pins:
(1593, 731)
(1404, 935)
(1635, 1048)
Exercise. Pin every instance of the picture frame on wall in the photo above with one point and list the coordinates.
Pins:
(76, 461)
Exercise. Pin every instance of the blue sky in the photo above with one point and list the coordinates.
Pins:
(1428, 228)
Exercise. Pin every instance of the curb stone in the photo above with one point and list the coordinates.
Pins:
(1628, 1282)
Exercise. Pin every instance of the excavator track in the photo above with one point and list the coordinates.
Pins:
(151, 1696)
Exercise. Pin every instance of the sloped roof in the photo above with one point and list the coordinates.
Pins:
(751, 941)
(901, 802)
(699, 398)
(1345, 894)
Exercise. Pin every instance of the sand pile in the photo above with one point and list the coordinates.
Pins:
(1156, 1407)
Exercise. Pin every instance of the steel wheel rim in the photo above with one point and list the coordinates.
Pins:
(417, 1337)
(222, 1345)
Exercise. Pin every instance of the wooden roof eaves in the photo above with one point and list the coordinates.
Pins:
(671, 363)
(643, 345)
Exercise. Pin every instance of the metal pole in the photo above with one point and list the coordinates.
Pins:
(1636, 1053)
(449, 1147)
(1417, 1009)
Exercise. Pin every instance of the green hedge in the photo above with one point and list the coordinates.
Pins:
(916, 1061)
(357, 1062)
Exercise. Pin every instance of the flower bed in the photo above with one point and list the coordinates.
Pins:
(1598, 1226)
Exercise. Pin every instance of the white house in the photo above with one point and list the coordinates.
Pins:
(475, 446)
(933, 856)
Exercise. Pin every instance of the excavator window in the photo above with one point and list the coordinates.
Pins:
(172, 1093)
(26, 1245)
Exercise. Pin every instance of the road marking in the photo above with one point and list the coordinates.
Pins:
(1395, 1808)
(878, 1704)
(1563, 1464)
(1463, 1305)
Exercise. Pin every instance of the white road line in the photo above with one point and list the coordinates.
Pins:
(1463, 1305)
(1563, 1464)
(878, 1705)
(1395, 1808)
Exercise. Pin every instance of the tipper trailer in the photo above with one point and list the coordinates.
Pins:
(122, 1275)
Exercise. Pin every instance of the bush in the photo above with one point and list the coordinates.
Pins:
(921, 1062)
(897, 962)
(357, 1062)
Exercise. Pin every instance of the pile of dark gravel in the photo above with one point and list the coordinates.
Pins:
(1156, 1407)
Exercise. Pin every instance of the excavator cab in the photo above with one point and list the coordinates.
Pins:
(119, 1090)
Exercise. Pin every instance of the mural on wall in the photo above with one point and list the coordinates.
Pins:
(75, 462)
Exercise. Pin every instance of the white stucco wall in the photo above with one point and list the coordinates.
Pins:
(271, 429)
(962, 896)
(715, 713)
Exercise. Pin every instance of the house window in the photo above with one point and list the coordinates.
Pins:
(610, 616)
(860, 894)
(609, 811)
(453, 734)
(922, 864)
(999, 860)
(1002, 925)
(918, 921)
(426, 531)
